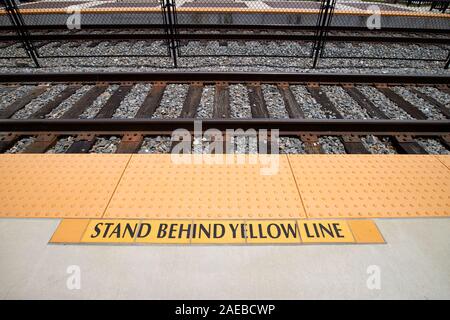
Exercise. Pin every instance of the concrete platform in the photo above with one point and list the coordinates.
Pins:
(414, 264)
(351, 13)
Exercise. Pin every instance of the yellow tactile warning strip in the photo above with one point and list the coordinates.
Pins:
(445, 160)
(76, 186)
(219, 10)
(159, 188)
(365, 231)
(247, 187)
(360, 186)
(238, 232)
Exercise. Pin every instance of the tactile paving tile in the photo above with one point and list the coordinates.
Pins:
(75, 186)
(358, 186)
(445, 160)
(155, 187)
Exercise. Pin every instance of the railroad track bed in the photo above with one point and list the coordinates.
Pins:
(278, 50)
(227, 47)
(89, 31)
(316, 117)
(161, 144)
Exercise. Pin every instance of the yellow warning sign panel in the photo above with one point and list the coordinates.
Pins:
(243, 232)
(111, 231)
(164, 232)
(325, 231)
(272, 231)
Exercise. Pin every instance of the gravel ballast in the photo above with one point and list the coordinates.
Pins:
(274, 102)
(9, 97)
(429, 110)
(311, 108)
(270, 62)
(133, 101)
(377, 145)
(432, 146)
(247, 48)
(346, 106)
(39, 102)
(239, 102)
(67, 104)
(206, 107)
(92, 110)
(20, 145)
(245, 144)
(437, 94)
(105, 145)
(62, 145)
(384, 104)
(171, 102)
(331, 145)
(158, 144)
(106, 48)
(290, 145)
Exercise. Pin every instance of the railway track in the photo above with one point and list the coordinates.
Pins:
(207, 46)
(92, 33)
(58, 37)
(145, 108)
(93, 37)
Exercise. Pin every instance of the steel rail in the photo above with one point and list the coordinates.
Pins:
(226, 36)
(191, 27)
(211, 77)
(293, 126)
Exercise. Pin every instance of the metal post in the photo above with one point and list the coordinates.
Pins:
(17, 21)
(322, 25)
(327, 27)
(170, 20)
(166, 24)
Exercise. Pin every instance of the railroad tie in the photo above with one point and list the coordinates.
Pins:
(221, 101)
(7, 141)
(84, 102)
(107, 111)
(22, 102)
(257, 102)
(292, 107)
(41, 144)
(192, 101)
(82, 144)
(152, 101)
(324, 101)
(441, 107)
(365, 103)
(130, 143)
(52, 104)
(311, 143)
(406, 144)
(353, 144)
(402, 103)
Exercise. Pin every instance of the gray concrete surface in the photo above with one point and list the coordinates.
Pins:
(432, 22)
(414, 264)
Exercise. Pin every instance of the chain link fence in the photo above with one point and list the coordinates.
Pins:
(236, 28)
(414, 14)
